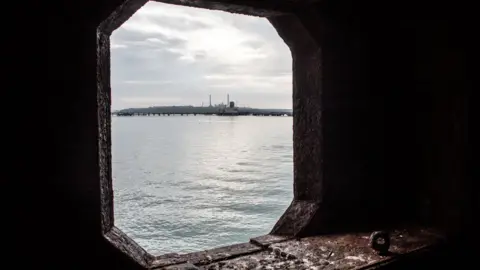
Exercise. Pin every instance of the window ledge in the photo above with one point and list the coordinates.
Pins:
(341, 251)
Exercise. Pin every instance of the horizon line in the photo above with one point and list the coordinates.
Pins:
(149, 107)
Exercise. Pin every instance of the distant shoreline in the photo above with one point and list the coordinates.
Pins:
(194, 110)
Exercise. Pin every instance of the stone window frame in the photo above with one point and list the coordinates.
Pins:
(286, 16)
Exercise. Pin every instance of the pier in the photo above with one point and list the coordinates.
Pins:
(203, 113)
(228, 109)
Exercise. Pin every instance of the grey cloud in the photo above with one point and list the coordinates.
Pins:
(143, 64)
(123, 36)
(260, 26)
(222, 69)
(181, 24)
(274, 68)
(263, 28)
(200, 55)
(153, 63)
(255, 44)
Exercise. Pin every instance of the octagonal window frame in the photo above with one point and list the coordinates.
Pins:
(120, 15)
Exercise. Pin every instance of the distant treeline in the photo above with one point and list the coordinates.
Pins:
(193, 109)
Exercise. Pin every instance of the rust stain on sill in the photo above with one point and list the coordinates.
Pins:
(343, 251)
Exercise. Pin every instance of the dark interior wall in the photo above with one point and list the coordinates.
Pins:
(423, 122)
(401, 146)
(430, 122)
(441, 51)
(70, 203)
(423, 70)
(382, 131)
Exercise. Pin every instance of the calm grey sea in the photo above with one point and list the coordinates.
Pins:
(188, 183)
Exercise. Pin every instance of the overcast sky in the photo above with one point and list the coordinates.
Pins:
(174, 55)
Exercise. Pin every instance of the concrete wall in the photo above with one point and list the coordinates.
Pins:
(380, 123)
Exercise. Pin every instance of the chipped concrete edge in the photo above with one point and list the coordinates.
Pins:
(208, 256)
(258, 244)
(265, 241)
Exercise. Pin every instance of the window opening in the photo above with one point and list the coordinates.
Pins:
(201, 133)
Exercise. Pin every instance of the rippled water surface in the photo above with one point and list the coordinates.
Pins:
(188, 183)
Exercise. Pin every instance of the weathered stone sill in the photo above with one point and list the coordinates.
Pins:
(342, 251)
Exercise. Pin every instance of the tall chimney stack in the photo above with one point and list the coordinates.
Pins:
(228, 99)
(210, 100)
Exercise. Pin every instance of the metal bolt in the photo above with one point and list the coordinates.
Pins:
(380, 241)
